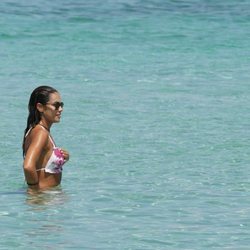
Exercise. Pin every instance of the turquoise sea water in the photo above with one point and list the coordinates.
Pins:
(156, 119)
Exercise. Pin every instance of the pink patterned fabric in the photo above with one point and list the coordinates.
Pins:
(55, 162)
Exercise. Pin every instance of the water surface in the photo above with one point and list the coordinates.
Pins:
(156, 120)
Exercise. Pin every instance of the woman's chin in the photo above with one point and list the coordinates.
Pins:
(57, 119)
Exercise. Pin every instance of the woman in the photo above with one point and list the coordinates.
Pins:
(43, 161)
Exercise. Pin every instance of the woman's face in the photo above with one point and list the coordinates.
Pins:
(53, 108)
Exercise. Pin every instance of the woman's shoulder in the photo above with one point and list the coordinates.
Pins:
(38, 138)
(38, 132)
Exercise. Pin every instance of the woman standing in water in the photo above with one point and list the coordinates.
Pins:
(43, 161)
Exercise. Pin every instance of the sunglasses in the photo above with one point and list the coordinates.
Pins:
(57, 105)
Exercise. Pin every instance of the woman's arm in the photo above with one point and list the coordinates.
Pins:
(39, 139)
(65, 154)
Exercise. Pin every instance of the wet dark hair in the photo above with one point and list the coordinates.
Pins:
(39, 95)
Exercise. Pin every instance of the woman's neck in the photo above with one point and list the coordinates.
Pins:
(45, 125)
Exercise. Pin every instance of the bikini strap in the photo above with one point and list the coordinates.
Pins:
(28, 132)
(51, 139)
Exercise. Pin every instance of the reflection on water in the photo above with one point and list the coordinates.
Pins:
(43, 217)
(49, 197)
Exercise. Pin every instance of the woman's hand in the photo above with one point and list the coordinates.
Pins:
(65, 154)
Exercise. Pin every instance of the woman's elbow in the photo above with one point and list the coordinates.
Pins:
(28, 167)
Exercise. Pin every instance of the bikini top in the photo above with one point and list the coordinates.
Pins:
(56, 160)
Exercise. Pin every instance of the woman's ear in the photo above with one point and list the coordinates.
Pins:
(40, 107)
